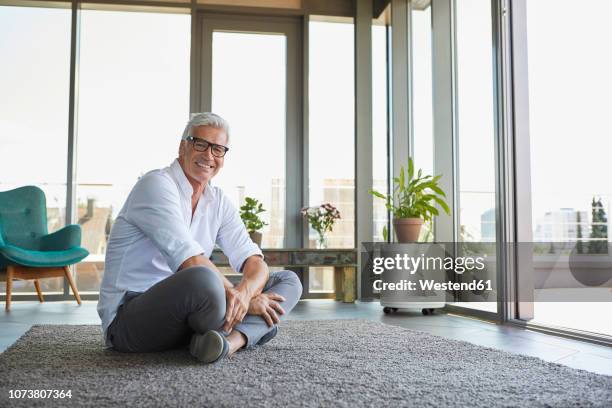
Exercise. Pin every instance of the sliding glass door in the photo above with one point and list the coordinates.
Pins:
(331, 124)
(568, 90)
(249, 72)
(475, 135)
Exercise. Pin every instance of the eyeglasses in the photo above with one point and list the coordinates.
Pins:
(201, 145)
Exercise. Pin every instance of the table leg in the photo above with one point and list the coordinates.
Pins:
(338, 286)
(349, 288)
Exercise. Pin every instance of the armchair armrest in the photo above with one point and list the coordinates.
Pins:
(2, 242)
(65, 238)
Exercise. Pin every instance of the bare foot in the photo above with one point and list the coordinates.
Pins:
(236, 341)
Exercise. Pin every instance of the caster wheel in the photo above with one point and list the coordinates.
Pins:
(394, 309)
(386, 310)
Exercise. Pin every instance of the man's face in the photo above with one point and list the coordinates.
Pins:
(202, 166)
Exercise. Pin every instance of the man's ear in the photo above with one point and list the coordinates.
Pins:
(181, 150)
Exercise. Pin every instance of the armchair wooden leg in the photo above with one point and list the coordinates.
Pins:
(72, 285)
(38, 291)
(9, 286)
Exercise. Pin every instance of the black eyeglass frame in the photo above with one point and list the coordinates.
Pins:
(193, 141)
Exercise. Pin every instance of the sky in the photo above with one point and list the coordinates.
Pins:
(249, 89)
(475, 109)
(570, 86)
(422, 89)
(134, 70)
(134, 88)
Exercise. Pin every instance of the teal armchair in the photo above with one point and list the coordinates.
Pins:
(27, 251)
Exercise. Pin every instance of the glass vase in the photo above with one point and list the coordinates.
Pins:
(322, 242)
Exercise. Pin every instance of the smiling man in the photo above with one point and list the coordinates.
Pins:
(160, 290)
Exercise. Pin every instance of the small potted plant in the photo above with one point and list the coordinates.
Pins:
(416, 197)
(321, 219)
(249, 212)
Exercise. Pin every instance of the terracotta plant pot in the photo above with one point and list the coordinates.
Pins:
(407, 229)
(256, 238)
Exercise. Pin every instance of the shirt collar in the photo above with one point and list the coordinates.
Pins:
(185, 185)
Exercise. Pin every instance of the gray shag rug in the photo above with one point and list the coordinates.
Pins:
(310, 363)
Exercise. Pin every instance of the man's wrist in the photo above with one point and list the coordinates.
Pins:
(245, 290)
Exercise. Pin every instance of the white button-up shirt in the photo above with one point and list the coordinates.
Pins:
(155, 233)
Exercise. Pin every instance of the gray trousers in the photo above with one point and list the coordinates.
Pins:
(190, 301)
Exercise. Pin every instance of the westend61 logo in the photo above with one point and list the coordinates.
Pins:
(424, 263)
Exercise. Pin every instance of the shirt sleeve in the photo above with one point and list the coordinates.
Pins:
(233, 238)
(154, 207)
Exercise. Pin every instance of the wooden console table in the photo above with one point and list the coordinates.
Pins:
(344, 262)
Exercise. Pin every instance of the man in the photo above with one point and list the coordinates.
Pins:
(160, 290)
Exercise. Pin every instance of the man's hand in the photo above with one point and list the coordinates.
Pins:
(237, 306)
(266, 305)
(254, 276)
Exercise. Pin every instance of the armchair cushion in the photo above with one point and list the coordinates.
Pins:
(65, 238)
(41, 259)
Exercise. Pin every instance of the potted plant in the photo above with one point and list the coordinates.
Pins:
(249, 212)
(416, 197)
(321, 219)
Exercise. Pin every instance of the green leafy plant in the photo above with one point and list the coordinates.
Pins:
(249, 212)
(416, 195)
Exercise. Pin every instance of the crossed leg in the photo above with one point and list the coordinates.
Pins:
(191, 301)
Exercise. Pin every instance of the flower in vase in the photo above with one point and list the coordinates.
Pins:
(322, 219)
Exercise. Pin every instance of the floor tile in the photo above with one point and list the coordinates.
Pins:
(589, 362)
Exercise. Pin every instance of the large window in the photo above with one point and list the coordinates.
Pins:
(331, 135)
(569, 109)
(422, 89)
(34, 85)
(249, 90)
(133, 106)
(476, 132)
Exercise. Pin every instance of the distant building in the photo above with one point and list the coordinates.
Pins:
(338, 192)
(95, 225)
(487, 226)
(561, 225)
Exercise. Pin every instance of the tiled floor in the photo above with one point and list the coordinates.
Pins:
(572, 353)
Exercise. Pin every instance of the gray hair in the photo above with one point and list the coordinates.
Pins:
(206, 119)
